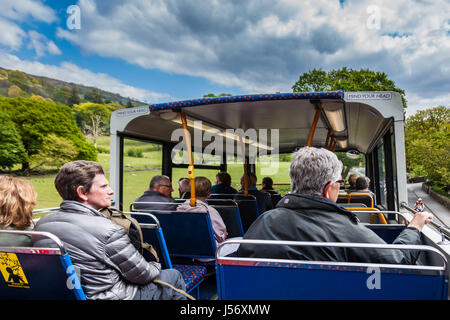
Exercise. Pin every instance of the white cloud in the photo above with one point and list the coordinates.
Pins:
(41, 44)
(69, 72)
(263, 46)
(20, 10)
(13, 37)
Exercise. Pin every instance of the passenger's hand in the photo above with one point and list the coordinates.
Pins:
(420, 219)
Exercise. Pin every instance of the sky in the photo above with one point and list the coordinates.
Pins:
(165, 50)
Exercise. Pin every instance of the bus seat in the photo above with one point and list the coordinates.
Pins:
(31, 273)
(229, 211)
(275, 198)
(248, 207)
(275, 279)
(187, 234)
(193, 275)
(364, 198)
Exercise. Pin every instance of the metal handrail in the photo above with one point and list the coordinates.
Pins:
(444, 231)
(335, 245)
(49, 235)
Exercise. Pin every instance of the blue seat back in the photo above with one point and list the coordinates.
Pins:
(248, 207)
(38, 273)
(229, 211)
(153, 235)
(187, 234)
(273, 279)
(275, 197)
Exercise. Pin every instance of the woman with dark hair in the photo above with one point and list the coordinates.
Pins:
(17, 200)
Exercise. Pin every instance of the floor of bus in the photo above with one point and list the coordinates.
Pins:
(208, 288)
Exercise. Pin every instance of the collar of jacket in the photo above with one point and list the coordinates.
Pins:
(80, 208)
(154, 193)
(297, 201)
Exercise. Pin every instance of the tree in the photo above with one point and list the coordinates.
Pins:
(212, 95)
(55, 151)
(427, 142)
(93, 118)
(19, 79)
(347, 80)
(12, 150)
(94, 96)
(15, 91)
(35, 120)
(63, 94)
(129, 104)
(74, 97)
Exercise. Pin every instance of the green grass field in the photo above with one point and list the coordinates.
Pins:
(139, 171)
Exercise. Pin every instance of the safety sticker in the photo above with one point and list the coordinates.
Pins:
(12, 271)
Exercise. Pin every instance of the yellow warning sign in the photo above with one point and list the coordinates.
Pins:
(12, 271)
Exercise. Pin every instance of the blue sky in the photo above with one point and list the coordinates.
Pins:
(157, 51)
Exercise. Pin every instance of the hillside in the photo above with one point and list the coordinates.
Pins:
(15, 83)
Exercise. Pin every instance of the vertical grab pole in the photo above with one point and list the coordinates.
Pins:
(187, 138)
(313, 127)
(328, 138)
(245, 167)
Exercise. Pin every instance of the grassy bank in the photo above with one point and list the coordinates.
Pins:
(139, 171)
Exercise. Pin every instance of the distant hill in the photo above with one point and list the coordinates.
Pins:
(15, 83)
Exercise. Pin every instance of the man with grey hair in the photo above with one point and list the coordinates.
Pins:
(159, 190)
(184, 188)
(310, 213)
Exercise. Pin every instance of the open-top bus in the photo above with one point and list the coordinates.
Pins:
(251, 128)
(213, 134)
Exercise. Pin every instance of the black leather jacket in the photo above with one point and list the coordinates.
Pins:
(299, 217)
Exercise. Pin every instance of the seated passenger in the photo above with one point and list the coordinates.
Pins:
(310, 213)
(110, 266)
(262, 198)
(159, 190)
(362, 186)
(184, 188)
(352, 181)
(17, 199)
(267, 185)
(202, 192)
(223, 184)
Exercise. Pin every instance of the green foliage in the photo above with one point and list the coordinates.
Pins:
(212, 95)
(63, 94)
(93, 118)
(14, 91)
(74, 97)
(55, 151)
(427, 142)
(11, 148)
(350, 163)
(135, 152)
(347, 80)
(35, 120)
(102, 149)
(19, 79)
(94, 96)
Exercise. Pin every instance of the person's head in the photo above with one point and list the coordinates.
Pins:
(316, 172)
(202, 187)
(362, 183)
(85, 182)
(267, 183)
(352, 179)
(161, 184)
(223, 178)
(184, 185)
(17, 199)
(252, 179)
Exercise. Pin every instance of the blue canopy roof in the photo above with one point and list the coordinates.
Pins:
(177, 105)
